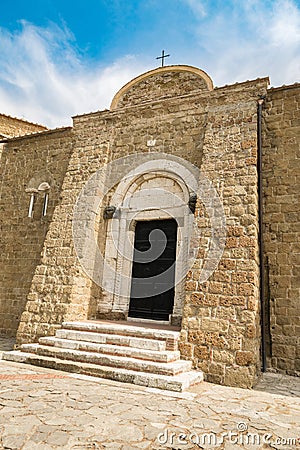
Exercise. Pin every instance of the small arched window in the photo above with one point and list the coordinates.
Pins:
(41, 190)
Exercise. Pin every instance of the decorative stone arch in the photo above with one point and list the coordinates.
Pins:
(39, 177)
(174, 185)
(196, 74)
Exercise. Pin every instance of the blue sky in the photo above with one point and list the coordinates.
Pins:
(59, 58)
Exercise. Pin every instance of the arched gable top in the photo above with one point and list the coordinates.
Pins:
(164, 82)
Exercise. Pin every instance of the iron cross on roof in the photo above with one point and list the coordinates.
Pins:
(162, 57)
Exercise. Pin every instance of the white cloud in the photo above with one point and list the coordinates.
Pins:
(249, 39)
(285, 25)
(44, 79)
(198, 6)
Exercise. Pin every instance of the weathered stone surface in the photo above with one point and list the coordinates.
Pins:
(116, 359)
(244, 358)
(281, 185)
(13, 127)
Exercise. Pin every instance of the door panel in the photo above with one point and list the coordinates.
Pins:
(153, 270)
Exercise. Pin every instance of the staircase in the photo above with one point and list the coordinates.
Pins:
(120, 351)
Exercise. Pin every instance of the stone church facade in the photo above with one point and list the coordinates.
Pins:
(215, 169)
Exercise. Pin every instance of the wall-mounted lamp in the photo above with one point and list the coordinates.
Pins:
(109, 212)
(192, 202)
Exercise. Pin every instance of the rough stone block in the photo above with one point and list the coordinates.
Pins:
(244, 358)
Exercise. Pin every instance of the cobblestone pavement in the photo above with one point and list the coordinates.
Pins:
(46, 409)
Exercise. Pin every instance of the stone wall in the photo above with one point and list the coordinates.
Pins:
(26, 162)
(60, 289)
(13, 127)
(42, 281)
(281, 177)
(220, 329)
(99, 138)
(216, 131)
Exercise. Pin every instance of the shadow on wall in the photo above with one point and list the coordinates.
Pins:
(32, 172)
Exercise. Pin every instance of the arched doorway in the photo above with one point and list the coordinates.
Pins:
(152, 201)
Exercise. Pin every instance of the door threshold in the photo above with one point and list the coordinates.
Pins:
(154, 322)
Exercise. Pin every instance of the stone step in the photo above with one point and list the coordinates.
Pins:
(170, 368)
(112, 339)
(176, 383)
(117, 350)
(169, 336)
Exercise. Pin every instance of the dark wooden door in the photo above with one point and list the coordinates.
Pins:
(153, 271)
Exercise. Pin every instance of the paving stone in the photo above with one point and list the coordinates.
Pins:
(13, 404)
(37, 406)
(124, 433)
(13, 441)
(33, 446)
(21, 425)
(130, 447)
(151, 430)
(58, 438)
(54, 421)
(78, 405)
(144, 445)
(39, 437)
(125, 416)
(110, 446)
